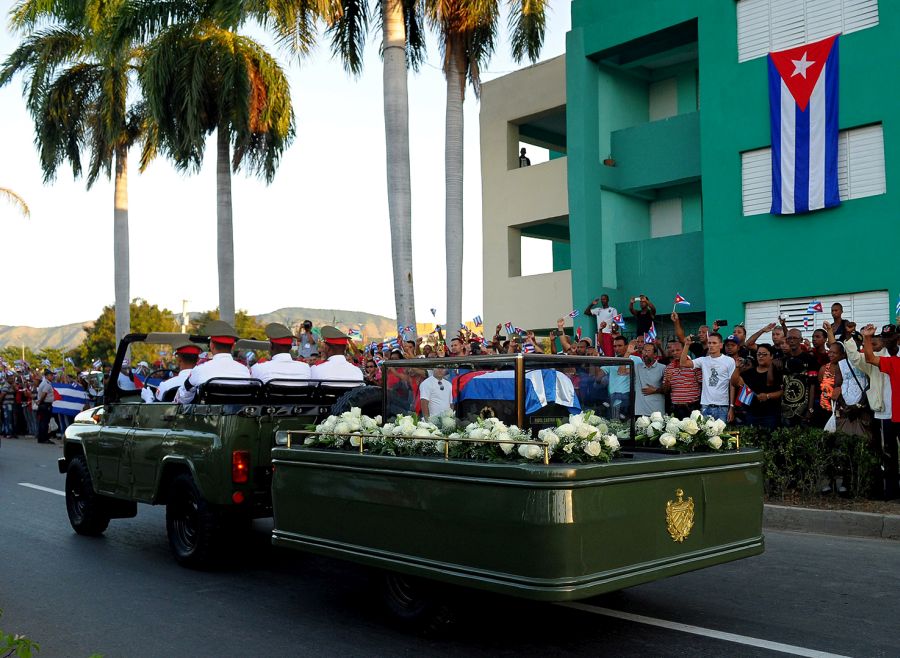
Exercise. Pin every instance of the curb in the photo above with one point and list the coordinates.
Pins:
(831, 522)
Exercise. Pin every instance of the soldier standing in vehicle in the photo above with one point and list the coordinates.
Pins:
(336, 368)
(222, 338)
(281, 365)
(186, 355)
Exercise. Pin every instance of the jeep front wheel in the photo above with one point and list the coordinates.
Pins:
(85, 507)
(191, 525)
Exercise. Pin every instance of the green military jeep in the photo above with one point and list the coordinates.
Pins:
(208, 462)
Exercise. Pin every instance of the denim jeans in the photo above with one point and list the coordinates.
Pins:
(717, 411)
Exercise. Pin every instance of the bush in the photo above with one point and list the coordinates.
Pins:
(802, 460)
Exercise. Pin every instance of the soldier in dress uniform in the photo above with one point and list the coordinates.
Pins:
(281, 365)
(336, 370)
(222, 338)
(186, 356)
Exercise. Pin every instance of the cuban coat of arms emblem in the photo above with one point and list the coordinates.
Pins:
(680, 516)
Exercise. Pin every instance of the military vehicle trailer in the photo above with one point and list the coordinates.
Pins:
(208, 462)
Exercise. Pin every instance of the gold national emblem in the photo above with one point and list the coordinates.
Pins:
(680, 516)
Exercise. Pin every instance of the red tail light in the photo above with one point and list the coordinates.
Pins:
(240, 466)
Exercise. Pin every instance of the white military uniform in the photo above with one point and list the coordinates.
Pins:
(172, 382)
(280, 366)
(337, 368)
(221, 365)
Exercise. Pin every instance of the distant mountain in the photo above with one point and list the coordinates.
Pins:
(373, 327)
(65, 337)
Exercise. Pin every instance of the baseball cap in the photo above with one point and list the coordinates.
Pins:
(888, 331)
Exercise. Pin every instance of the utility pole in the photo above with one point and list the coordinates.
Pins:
(184, 316)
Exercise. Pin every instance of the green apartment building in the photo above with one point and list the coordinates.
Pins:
(668, 162)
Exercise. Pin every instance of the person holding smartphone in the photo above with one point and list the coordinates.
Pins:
(306, 342)
(644, 314)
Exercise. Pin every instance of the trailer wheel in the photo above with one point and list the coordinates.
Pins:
(85, 507)
(417, 604)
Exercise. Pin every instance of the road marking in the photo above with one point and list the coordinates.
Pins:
(40, 488)
(706, 632)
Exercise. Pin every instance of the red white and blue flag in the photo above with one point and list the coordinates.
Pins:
(574, 313)
(803, 107)
(650, 336)
(746, 395)
(681, 300)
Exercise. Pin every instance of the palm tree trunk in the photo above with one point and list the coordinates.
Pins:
(453, 177)
(396, 133)
(224, 227)
(121, 266)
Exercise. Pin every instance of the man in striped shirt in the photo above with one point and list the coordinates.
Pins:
(681, 384)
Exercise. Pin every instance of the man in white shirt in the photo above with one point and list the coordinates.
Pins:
(281, 365)
(44, 398)
(336, 370)
(222, 338)
(435, 395)
(604, 314)
(186, 356)
(717, 396)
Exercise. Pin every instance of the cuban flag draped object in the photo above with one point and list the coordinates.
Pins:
(541, 388)
(803, 108)
(69, 399)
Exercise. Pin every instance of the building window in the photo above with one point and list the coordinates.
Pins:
(768, 25)
(860, 169)
(665, 218)
(861, 308)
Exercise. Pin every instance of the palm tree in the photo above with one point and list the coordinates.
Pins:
(201, 76)
(76, 88)
(8, 195)
(467, 31)
(403, 46)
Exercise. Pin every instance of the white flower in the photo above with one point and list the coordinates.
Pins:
(585, 431)
(529, 451)
(673, 426)
(695, 414)
(567, 447)
(602, 427)
(720, 425)
(501, 436)
(566, 431)
(595, 420)
(549, 436)
(439, 446)
(421, 433)
(656, 417)
(657, 425)
(593, 449)
(667, 440)
(642, 422)
(611, 441)
(650, 431)
(342, 427)
(507, 448)
(448, 423)
(354, 441)
(715, 442)
(478, 434)
(308, 441)
(691, 427)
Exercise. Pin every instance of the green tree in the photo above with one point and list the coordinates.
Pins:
(468, 32)
(8, 195)
(100, 341)
(202, 76)
(76, 90)
(245, 324)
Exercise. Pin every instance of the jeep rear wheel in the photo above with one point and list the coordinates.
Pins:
(85, 507)
(192, 526)
(417, 604)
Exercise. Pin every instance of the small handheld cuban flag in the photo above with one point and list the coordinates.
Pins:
(477, 321)
(578, 333)
(897, 308)
(528, 348)
(650, 336)
(803, 111)
(96, 364)
(806, 323)
(745, 395)
(815, 306)
(574, 313)
(433, 312)
(354, 333)
(619, 320)
(519, 331)
(681, 300)
(393, 343)
(485, 342)
(509, 328)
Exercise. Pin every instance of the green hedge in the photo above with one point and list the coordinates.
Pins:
(802, 460)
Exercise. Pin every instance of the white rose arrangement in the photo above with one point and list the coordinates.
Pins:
(696, 433)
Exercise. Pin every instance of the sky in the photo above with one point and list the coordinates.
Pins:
(317, 237)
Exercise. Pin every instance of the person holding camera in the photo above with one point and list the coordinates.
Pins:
(306, 342)
(644, 315)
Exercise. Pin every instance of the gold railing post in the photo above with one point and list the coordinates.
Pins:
(362, 440)
(546, 453)
(446, 449)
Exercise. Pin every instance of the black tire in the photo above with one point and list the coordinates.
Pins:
(416, 604)
(193, 527)
(86, 509)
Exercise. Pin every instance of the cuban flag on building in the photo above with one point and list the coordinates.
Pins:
(803, 106)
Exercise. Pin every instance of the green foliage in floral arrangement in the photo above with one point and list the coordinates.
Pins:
(13, 644)
(802, 460)
(696, 433)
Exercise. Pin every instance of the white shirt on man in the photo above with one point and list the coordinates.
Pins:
(173, 382)
(280, 366)
(438, 393)
(221, 365)
(337, 371)
(605, 315)
(717, 373)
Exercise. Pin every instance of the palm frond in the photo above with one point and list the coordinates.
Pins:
(39, 56)
(8, 195)
(415, 34)
(348, 32)
(527, 25)
(138, 21)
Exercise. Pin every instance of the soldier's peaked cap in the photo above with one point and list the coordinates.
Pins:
(334, 336)
(220, 331)
(186, 346)
(278, 334)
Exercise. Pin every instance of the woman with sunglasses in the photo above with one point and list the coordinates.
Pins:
(371, 372)
(764, 379)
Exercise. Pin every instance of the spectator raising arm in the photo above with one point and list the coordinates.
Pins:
(590, 306)
(679, 330)
(867, 332)
(751, 342)
(563, 339)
